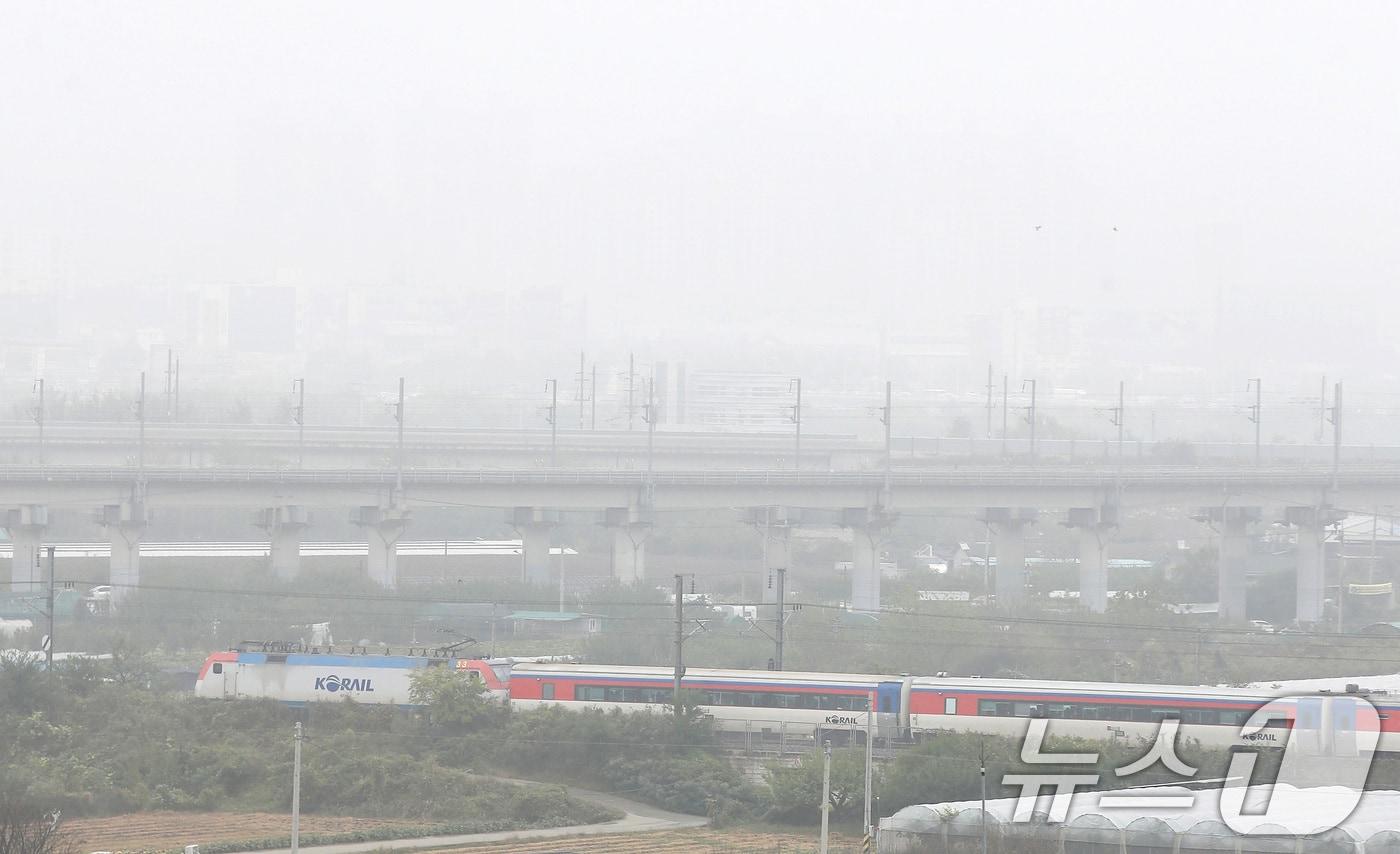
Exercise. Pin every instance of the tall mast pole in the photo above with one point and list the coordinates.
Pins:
(680, 639)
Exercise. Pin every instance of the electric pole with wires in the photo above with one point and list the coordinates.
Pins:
(299, 418)
(1005, 411)
(398, 418)
(989, 400)
(631, 389)
(39, 417)
(296, 786)
(1030, 414)
(885, 418)
(795, 386)
(649, 416)
(48, 638)
(681, 637)
(582, 396)
(551, 415)
(1255, 413)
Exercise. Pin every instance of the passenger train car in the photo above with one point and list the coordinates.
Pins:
(766, 704)
(834, 705)
(304, 677)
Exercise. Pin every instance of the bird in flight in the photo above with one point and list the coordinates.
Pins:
(1115, 228)
(1039, 227)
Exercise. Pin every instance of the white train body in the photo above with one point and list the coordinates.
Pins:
(833, 704)
(298, 678)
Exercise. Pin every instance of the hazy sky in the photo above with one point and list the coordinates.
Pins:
(684, 163)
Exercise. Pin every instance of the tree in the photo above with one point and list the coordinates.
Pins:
(26, 827)
(797, 792)
(453, 699)
(24, 685)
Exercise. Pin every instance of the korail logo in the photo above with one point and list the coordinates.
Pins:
(335, 684)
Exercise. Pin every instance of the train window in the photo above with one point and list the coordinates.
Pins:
(589, 693)
(950, 705)
(218, 667)
(547, 691)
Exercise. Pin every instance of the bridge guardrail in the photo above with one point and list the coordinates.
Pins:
(1127, 476)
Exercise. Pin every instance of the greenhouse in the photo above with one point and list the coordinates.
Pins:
(1161, 820)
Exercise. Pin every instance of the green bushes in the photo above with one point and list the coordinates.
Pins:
(647, 756)
(112, 748)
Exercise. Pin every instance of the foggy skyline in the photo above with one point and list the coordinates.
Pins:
(690, 170)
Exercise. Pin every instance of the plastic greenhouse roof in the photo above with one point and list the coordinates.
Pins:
(1294, 812)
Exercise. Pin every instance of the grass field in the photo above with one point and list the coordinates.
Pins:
(162, 831)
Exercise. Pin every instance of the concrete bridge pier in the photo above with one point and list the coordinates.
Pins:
(1311, 582)
(1093, 524)
(630, 527)
(26, 525)
(773, 523)
(1233, 524)
(284, 526)
(126, 526)
(869, 527)
(1009, 541)
(383, 528)
(534, 526)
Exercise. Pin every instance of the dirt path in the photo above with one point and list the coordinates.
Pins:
(637, 818)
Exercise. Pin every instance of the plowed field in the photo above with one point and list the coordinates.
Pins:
(699, 841)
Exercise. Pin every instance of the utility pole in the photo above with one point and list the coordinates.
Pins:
(175, 411)
(982, 772)
(781, 619)
(680, 640)
(593, 400)
(1341, 574)
(795, 386)
(169, 384)
(296, 787)
(39, 417)
(631, 388)
(1115, 417)
(48, 641)
(1030, 413)
(869, 764)
(1005, 409)
(1119, 421)
(989, 400)
(1336, 433)
(582, 398)
(885, 419)
(649, 415)
(1255, 412)
(1322, 410)
(826, 793)
(552, 416)
(299, 418)
(398, 416)
(141, 430)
